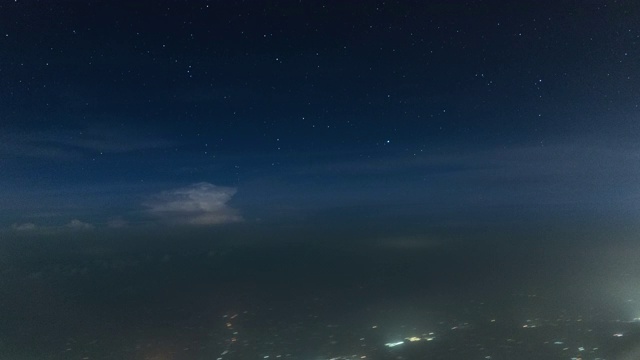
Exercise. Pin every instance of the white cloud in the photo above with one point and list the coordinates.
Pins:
(24, 227)
(79, 225)
(198, 204)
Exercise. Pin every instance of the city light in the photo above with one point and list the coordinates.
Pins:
(394, 344)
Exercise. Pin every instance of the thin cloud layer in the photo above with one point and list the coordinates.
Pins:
(24, 227)
(74, 144)
(117, 223)
(197, 204)
(79, 225)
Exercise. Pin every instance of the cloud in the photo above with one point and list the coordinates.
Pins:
(197, 204)
(580, 173)
(73, 144)
(79, 225)
(117, 223)
(24, 227)
(31, 228)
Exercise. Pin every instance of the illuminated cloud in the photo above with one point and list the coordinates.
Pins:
(24, 227)
(198, 204)
(79, 225)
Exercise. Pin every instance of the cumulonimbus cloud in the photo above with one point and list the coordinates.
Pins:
(198, 204)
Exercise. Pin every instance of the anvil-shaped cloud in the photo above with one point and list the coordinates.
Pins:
(197, 204)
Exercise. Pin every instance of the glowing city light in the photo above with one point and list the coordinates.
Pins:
(394, 344)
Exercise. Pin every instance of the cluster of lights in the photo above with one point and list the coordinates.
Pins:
(530, 325)
(411, 339)
(394, 344)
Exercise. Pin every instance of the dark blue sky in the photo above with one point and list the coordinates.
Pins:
(206, 113)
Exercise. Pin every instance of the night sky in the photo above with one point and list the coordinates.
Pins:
(287, 109)
(162, 126)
